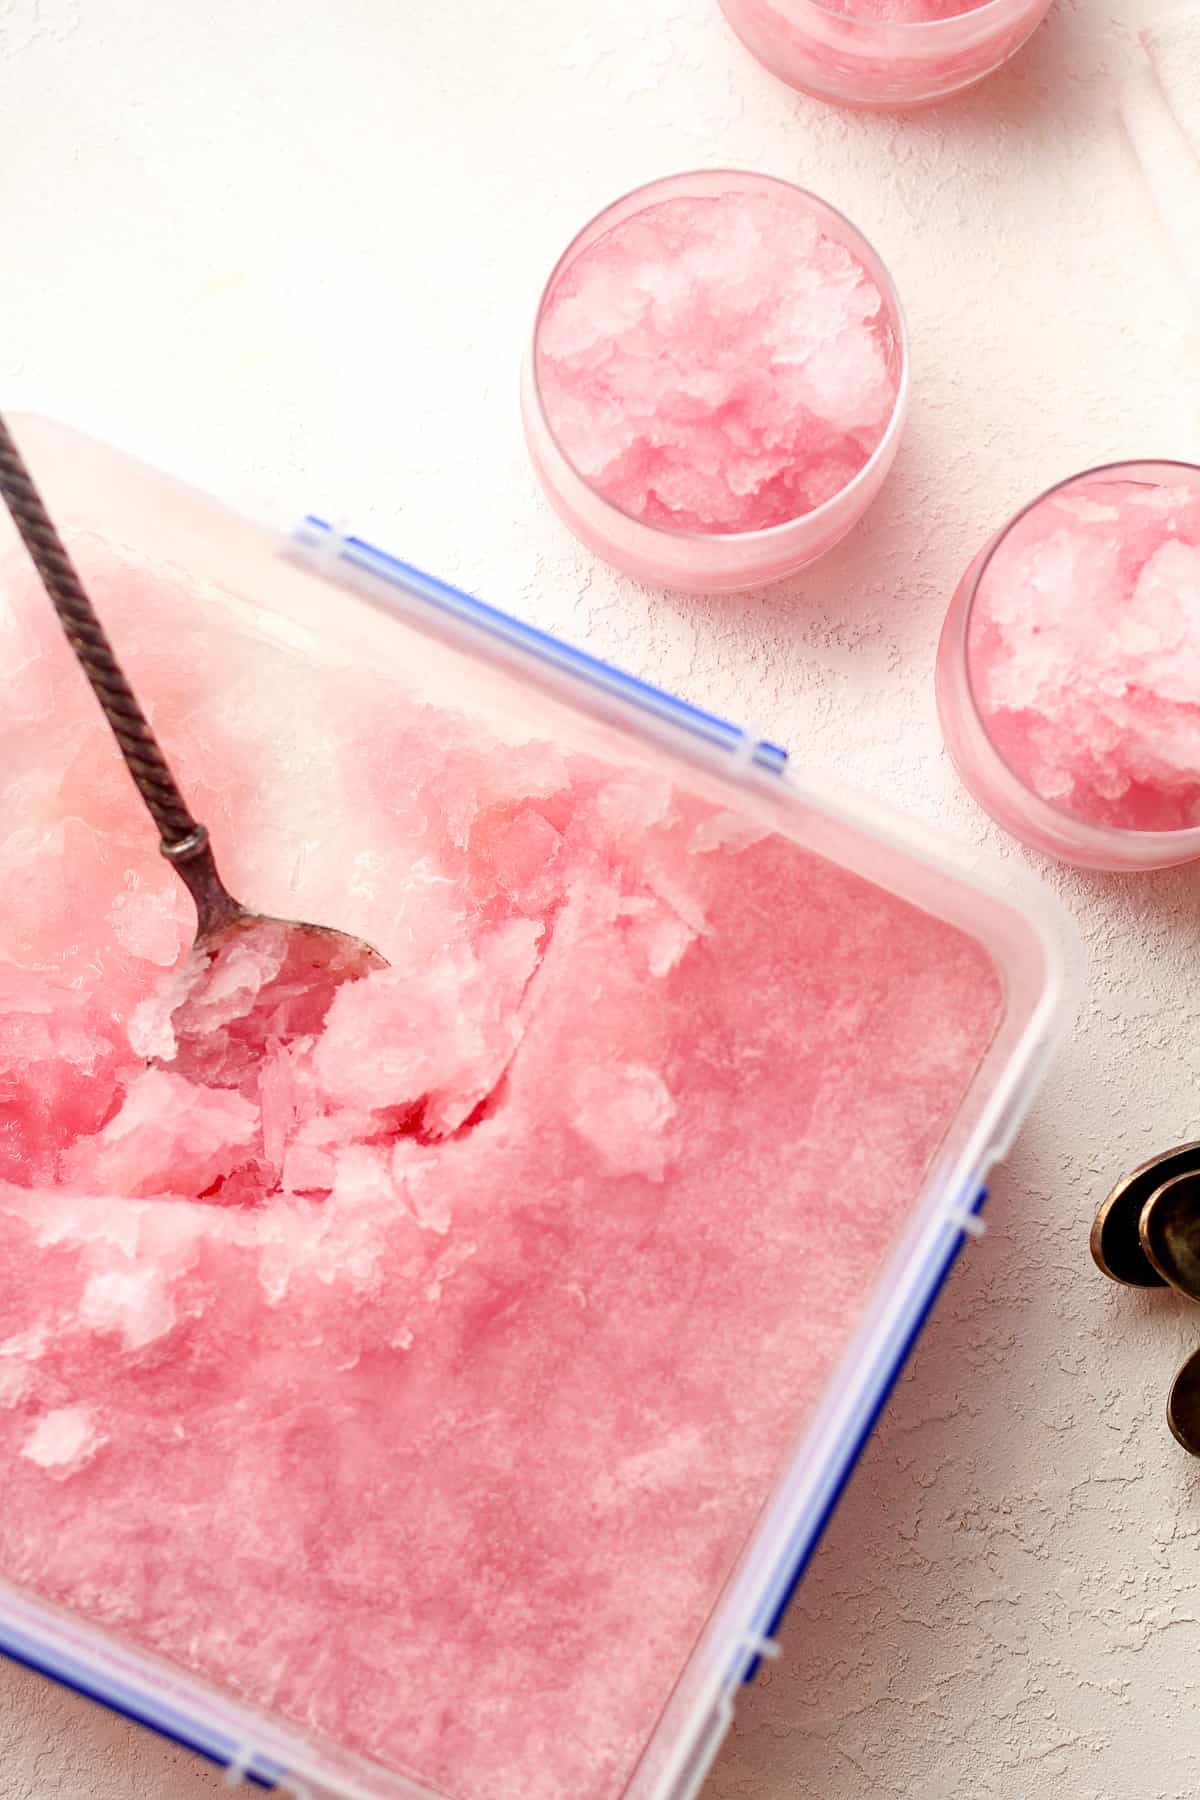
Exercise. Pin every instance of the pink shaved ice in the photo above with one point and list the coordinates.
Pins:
(421, 1375)
(1084, 652)
(884, 53)
(718, 364)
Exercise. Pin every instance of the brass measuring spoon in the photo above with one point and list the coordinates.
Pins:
(1115, 1242)
(1169, 1232)
(1183, 1405)
(311, 958)
(1147, 1234)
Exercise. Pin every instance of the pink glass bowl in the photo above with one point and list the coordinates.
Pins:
(982, 769)
(694, 561)
(884, 63)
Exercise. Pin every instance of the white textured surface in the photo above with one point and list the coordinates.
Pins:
(291, 249)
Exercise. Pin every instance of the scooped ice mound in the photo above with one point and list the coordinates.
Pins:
(1084, 652)
(718, 364)
(419, 1373)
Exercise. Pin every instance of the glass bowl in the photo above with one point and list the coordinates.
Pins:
(985, 771)
(690, 560)
(885, 63)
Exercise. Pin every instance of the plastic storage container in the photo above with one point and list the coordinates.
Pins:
(381, 613)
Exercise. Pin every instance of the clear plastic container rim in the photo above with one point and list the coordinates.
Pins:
(891, 298)
(1090, 836)
(811, 1478)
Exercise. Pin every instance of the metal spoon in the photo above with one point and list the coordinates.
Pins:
(1115, 1242)
(1169, 1232)
(1183, 1405)
(1147, 1234)
(312, 958)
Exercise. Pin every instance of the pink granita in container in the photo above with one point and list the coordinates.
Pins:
(442, 1403)
(717, 381)
(884, 53)
(1068, 673)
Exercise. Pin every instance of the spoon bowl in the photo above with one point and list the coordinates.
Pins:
(250, 981)
(1169, 1232)
(1116, 1246)
(1183, 1405)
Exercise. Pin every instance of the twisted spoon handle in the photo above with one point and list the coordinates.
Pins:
(183, 840)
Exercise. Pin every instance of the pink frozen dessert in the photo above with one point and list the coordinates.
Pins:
(420, 1378)
(718, 363)
(1083, 650)
(884, 53)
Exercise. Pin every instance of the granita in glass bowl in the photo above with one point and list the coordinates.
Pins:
(717, 381)
(1068, 674)
(883, 53)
